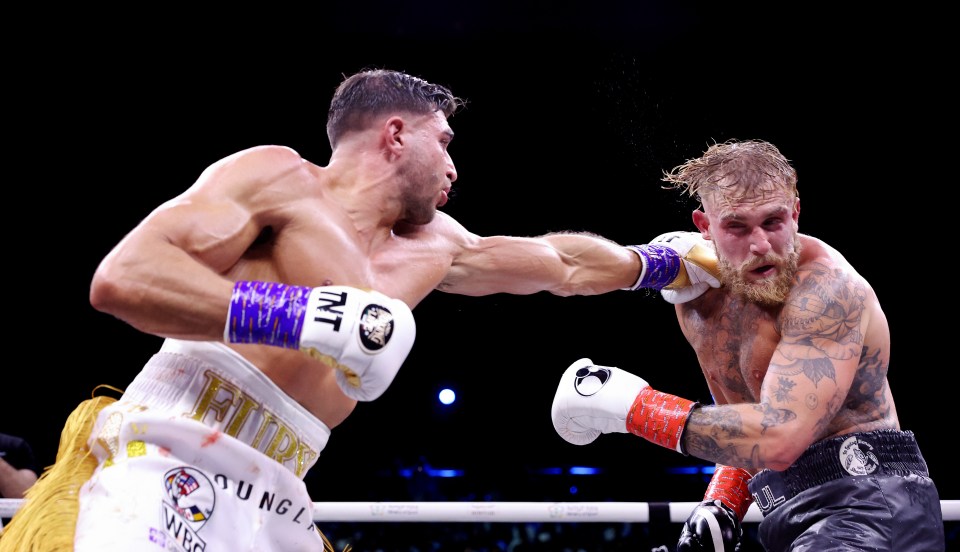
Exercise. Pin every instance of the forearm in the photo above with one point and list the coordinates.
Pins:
(594, 264)
(169, 295)
(740, 435)
(562, 264)
(14, 482)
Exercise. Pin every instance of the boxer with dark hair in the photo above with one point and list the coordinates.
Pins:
(284, 291)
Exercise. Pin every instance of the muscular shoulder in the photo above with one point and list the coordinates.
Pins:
(271, 153)
(261, 175)
(252, 164)
(254, 181)
(822, 263)
(829, 298)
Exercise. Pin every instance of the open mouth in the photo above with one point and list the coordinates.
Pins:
(762, 271)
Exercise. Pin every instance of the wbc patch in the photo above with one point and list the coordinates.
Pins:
(189, 505)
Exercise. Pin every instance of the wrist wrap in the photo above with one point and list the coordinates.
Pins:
(659, 418)
(729, 486)
(660, 266)
(266, 313)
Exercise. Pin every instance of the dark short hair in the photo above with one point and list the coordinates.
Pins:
(369, 94)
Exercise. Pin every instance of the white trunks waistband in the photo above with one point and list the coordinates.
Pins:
(211, 383)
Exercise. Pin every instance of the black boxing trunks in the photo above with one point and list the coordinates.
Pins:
(860, 491)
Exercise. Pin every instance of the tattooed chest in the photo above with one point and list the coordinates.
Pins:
(734, 349)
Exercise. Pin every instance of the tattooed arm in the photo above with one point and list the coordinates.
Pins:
(807, 381)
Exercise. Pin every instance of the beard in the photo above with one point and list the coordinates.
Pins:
(420, 196)
(770, 292)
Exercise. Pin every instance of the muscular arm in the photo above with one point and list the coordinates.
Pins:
(165, 276)
(806, 382)
(563, 264)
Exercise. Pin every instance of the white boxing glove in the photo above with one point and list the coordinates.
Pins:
(592, 399)
(695, 272)
(364, 335)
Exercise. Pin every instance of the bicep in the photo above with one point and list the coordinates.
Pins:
(166, 276)
(223, 212)
(216, 233)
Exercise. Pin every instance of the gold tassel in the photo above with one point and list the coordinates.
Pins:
(328, 546)
(48, 518)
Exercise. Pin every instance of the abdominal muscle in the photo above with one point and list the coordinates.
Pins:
(310, 382)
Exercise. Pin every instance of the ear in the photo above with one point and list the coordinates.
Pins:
(796, 211)
(702, 223)
(392, 135)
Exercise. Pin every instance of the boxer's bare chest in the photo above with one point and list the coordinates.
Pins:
(319, 251)
(734, 342)
(322, 250)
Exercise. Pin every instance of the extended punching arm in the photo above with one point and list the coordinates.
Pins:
(365, 335)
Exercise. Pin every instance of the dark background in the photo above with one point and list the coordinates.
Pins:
(575, 109)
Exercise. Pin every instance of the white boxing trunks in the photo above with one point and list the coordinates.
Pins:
(201, 453)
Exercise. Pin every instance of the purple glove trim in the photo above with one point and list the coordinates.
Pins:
(661, 265)
(267, 313)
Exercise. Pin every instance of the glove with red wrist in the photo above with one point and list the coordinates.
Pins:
(593, 399)
(715, 524)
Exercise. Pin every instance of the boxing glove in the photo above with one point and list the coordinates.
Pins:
(364, 335)
(711, 527)
(715, 524)
(681, 265)
(591, 400)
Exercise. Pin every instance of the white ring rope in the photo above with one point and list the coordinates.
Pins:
(510, 512)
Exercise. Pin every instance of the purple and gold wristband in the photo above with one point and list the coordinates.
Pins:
(266, 313)
(660, 266)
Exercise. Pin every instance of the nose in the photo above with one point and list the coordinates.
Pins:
(452, 173)
(759, 244)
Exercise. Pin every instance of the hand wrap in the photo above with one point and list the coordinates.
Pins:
(681, 265)
(660, 418)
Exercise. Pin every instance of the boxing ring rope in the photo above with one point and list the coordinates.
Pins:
(508, 512)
